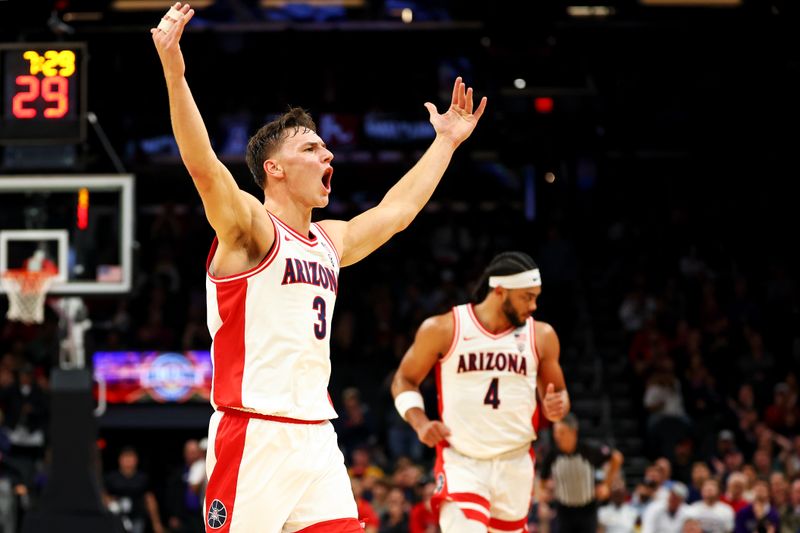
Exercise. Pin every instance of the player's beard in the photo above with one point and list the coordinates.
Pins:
(512, 315)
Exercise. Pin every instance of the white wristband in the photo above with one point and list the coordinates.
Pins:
(407, 400)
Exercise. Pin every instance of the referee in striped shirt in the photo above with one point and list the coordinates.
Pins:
(573, 466)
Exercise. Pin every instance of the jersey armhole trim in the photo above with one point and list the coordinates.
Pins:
(456, 333)
(330, 242)
(533, 343)
(273, 252)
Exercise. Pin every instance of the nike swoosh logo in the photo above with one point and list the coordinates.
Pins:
(470, 338)
(286, 238)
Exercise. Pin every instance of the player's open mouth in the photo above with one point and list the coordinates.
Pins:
(326, 178)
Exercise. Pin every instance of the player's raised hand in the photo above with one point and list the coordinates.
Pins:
(460, 119)
(433, 432)
(167, 36)
(555, 404)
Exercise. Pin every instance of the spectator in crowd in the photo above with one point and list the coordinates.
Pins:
(667, 423)
(127, 493)
(779, 489)
(184, 505)
(734, 492)
(361, 464)
(366, 513)
(422, 518)
(790, 518)
(700, 473)
(355, 426)
(713, 515)
(395, 518)
(573, 465)
(669, 516)
(759, 515)
(618, 516)
(542, 514)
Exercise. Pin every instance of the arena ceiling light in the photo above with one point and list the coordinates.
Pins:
(590, 11)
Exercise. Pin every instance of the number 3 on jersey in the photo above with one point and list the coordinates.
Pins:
(492, 395)
(320, 327)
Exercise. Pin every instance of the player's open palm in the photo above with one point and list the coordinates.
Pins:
(458, 122)
(168, 35)
(432, 432)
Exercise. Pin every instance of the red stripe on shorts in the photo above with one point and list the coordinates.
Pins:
(221, 491)
(469, 497)
(476, 515)
(340, 525)
(507, 525)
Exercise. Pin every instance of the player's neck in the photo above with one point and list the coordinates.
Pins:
(491, 317)
(294, 216)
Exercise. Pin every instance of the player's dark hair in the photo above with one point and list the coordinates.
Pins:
(503, 264)
(269, 138)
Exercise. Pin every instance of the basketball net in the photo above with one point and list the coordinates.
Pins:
(26, 292)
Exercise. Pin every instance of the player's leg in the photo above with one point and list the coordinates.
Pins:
(249, 488)
(512, 484)
(462, 492)
(327, 505)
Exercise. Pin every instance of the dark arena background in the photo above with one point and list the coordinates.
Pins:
(644, 153)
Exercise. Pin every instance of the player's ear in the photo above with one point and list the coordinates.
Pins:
(273, 169)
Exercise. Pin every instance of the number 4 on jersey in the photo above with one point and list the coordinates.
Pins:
(492, 395)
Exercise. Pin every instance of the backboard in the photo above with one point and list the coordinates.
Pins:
(83, 224)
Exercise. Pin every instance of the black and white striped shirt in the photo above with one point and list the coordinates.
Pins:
(574, 473)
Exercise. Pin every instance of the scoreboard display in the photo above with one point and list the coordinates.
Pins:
(43, 93)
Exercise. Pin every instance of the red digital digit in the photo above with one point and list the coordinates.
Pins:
(56, 89)
(21, 98)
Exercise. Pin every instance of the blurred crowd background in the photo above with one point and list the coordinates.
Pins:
(642, 155)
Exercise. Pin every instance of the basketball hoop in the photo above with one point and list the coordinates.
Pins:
(26, 292)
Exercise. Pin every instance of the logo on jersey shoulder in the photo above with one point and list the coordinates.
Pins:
(439, 483)
(310, 273)
(489, 361)
(217, 515)
(521, 339)
(469, 338)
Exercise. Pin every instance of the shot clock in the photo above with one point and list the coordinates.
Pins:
(43, 93)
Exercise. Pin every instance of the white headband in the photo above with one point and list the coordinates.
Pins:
(522, 280)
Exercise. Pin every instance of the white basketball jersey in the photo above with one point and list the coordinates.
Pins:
(271, 326)
(487, 387)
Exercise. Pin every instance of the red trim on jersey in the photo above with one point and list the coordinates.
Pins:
(228, 449)
(507, 525)
(470, 497)
(330, 241)
(472, 514)
(439, 390)
(251, 414)
(304, 240)
(273, 252)
(532, 327)
(440, 479)
(456, 334)
(340, 525)
(483, 330)
(229, 350)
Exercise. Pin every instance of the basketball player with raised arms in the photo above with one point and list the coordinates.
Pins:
(490, 357)
(273, 460)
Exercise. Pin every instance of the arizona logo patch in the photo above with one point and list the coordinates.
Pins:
(217, 515)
